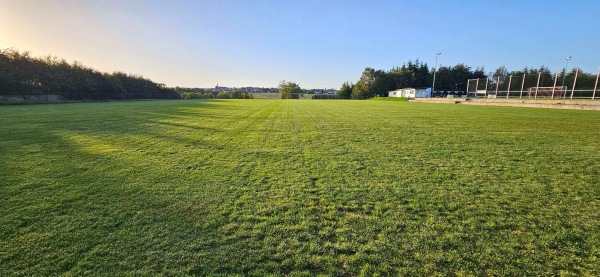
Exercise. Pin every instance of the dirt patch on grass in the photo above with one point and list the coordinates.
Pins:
(577, 104)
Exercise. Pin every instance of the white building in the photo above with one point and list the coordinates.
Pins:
(410, 92)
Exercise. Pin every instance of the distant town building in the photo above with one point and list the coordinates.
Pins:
(321, 91)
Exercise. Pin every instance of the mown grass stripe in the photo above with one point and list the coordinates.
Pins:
(284, 187)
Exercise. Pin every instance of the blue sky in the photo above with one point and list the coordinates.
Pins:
(317, 44)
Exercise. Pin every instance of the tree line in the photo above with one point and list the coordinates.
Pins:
(23, 74)
(416, 74)
(373, 83)
(199, 93)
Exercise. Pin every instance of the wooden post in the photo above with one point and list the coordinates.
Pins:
(522, 85)
(467, 88)
(554, 87)
(497, 85)
(574, 83)
(487, 80)
(508, 89)
(538, 84)
(596, 85)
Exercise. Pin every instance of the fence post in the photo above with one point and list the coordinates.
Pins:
(467, 88)
(508, 89)
(497, 85)
(538, 84)
(554, 87)
(522, 85)
(487, 81)
(574, 83)
(596, 85)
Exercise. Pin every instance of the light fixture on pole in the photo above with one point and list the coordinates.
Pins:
(434, 70)
(565, 75)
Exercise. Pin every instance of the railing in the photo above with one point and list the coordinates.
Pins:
(541, 85)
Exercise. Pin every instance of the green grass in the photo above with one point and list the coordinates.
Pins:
(298, 188)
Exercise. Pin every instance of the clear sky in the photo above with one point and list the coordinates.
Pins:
(317, 44)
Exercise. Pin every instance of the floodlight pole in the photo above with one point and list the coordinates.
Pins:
(434, 70)
(565, 74)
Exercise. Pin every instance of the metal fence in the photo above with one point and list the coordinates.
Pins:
(575, 85)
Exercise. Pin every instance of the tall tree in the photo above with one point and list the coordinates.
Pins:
(345, 91)
(289, 90)
(501, 72)
(372, 83)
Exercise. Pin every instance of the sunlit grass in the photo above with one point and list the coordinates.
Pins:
(284, 187)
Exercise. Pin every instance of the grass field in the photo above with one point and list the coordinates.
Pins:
(298, 188)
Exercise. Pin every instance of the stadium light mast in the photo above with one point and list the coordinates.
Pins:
(434, 70)
(565, 74)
